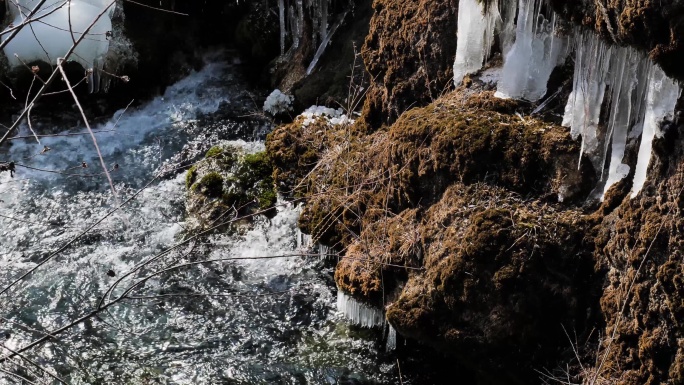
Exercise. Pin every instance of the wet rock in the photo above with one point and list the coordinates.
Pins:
(229, 183)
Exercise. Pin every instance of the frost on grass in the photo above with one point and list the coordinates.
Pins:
(278, 103)
(331, 115)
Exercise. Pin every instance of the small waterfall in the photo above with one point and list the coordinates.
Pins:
(359, 313)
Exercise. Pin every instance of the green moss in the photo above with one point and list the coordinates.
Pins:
(210, 185)
(267, 198)
(190, 177)
(258, 164)
(214, 152)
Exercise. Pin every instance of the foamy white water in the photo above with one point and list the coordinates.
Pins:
(258, 321)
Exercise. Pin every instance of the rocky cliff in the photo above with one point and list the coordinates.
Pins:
(465, 216)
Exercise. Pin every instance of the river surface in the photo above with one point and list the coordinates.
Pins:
(269, 321)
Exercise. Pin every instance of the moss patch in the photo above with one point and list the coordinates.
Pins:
(210, 185)
(229, 179)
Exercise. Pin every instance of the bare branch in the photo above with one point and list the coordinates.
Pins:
(85, 120)
(55, 72)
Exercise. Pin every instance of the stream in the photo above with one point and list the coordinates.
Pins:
(241, 321)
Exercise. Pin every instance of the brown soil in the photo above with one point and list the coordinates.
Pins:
(409, 53)
(452, 215)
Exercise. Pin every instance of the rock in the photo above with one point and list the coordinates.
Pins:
(229, 183)
(409, 53)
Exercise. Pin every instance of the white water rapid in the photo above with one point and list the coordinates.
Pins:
(231, 321)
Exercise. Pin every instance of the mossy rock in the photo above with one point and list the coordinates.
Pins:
(210, 185)
(229, 179)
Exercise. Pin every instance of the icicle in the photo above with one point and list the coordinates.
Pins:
(358, 313)
(300, 22)
(323, 251)
(661, 99)
(582, 113)
(475, 36)
(507, 30)
(391, 339)
(623, 84)
(536, 52)
(303, 241)
(641, 97)
(283, 30)
(323, 18)
(324, 44)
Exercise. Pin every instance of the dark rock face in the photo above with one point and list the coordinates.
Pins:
(329, 82)
(409, 53)
(640, 244)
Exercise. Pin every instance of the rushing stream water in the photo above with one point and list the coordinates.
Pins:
(239, 322)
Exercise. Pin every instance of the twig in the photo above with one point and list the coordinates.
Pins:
(85, 120)
(157, 9)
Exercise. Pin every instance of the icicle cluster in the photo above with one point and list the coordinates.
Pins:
(639, 96)
(323, 251)
(536, 52)
(531, 47)
(476, 29)
(391, 343)
(304, 241)
(56, 26)
(359, 313)
(636, 94)
(291, 15)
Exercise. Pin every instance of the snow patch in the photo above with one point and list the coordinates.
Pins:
(278, 103)
(332, 116)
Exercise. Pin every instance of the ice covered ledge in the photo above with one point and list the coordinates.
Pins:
(50, 37)
(359, 313)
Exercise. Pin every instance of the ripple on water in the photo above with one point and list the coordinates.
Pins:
(279, 325)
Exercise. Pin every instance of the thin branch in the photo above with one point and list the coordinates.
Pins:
(36, 365)
(85, 120)
(55, 72)
(22, 25)
(157, 9)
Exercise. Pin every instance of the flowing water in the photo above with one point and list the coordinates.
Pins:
(246, 321)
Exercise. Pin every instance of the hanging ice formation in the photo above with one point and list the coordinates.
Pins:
(661, 100)
(359, 313)
(640, 97)
(291, 14)
(55, 27)
(476, 29)
(537, 50)
(391, 343)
